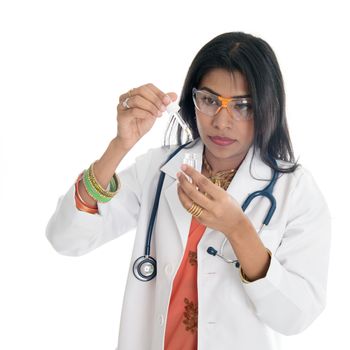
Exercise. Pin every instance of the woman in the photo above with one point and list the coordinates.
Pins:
(233, 102)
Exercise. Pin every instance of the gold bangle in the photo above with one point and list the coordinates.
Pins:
(243, 276)
(98, 187)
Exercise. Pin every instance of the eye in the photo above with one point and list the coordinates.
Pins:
(208, 100)
(243, 106)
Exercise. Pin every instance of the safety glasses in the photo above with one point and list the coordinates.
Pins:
(211, 104)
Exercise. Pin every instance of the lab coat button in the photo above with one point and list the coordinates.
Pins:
(168, 269)
(161, 320)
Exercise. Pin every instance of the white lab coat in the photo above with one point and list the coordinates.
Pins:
(232, 314)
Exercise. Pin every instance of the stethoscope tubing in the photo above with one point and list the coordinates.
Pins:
(265, 192)
(145, 267)
(149, 264)
(156, 202)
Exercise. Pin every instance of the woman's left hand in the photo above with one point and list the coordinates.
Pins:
(221, 211)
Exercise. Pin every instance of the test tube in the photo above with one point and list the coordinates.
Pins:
(191, 159)
(173, 109)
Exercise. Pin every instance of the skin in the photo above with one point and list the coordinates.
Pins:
(226, 84)
(146, 104)
(220, 210)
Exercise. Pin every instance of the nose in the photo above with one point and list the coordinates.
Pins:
(222, 119)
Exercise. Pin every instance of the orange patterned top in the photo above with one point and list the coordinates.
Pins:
(182, 321)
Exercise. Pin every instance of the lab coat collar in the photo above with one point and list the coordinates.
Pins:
(240, 187)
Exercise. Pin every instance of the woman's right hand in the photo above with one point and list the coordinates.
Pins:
(146, 103)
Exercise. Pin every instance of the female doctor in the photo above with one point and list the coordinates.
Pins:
(204, 294)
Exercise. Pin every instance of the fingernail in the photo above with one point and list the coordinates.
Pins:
(183, 166)
(166, 99)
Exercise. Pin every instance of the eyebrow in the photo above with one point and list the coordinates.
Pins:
(215, 93)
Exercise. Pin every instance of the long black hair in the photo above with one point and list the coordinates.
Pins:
(256, 61)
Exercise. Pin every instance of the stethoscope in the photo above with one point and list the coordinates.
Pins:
(145, 267)
(265, 192)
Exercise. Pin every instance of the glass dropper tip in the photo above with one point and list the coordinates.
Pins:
(189, 134)
(173, 110)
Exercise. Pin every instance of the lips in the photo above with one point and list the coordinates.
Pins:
(222, 141)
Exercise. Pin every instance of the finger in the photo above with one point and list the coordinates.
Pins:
(186, 201)
(204, 184)
(172, 95)
(140, 102)
(152, 94)
(135, 112)
(162, 98)
(165, 98)
(193, 194)
(123, 97)
(188, 204)
(148, 92)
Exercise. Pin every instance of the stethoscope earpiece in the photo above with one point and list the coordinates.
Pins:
(145, 268)
(266, 192)
(213, 251)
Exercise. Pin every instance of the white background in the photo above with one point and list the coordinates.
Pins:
(63, 66)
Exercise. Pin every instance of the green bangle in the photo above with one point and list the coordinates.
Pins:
(114, 183)
(92, 191)
(113, 186)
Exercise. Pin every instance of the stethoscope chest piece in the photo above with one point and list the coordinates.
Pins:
(145, 268)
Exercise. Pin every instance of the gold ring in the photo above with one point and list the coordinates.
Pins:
(195, 210)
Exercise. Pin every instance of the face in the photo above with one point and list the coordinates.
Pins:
(225, 155)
